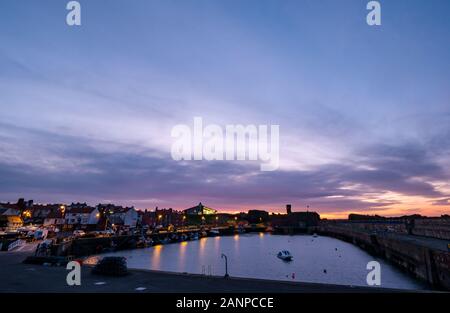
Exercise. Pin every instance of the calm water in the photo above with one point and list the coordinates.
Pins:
(254, 255)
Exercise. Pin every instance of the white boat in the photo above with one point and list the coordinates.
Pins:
(315, 235)
(214, 232)
(285, 255)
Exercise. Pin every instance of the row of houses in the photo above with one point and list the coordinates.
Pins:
(105, 216)
(75, 215)
(102, 216)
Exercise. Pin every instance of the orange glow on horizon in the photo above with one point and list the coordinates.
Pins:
(401, 205)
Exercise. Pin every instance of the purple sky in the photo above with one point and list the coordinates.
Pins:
(364, 112)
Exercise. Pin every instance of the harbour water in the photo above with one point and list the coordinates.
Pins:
(316, 259)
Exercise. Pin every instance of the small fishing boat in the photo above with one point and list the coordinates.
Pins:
(214, 232)
(165, 240)
(285, 255)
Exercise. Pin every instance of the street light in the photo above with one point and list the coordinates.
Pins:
(183, 221)
(226, 265)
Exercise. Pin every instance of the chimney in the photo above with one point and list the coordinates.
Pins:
(288, 209)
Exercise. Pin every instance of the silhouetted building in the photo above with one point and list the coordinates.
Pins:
(295, 219)
(288, 209)
(200, 209)
(257, 216)
(163, 217)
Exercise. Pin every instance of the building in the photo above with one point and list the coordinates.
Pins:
(163, 217)
(55, 218)
(9, 210)
(294, 221)
(257, 216)
(30, 212)
(124, 216)
(82, 215)
(200, 209)
(288, 208)
(10, 219)
(37, 213)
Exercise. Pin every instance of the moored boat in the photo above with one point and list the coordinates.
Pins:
(213, 232)
(285, 255)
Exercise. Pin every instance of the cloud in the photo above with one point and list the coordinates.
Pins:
(445, 201)
(82, 118)
(57, 167)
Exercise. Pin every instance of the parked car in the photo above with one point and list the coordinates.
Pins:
(41, 234)
(79, 233)
(105, 233)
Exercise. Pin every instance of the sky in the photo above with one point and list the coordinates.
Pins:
(86, 111)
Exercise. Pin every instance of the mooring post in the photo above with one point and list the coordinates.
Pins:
(226, 264)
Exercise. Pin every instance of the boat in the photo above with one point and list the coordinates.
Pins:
(285, 255)
(144, 242)
(240, 229)
(193, 236)
(165, 240)
(315, 235)
(214, 232)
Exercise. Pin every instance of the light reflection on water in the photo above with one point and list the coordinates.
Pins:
(254, 255)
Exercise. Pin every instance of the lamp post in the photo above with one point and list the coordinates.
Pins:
(226, 265)
(160, 219)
